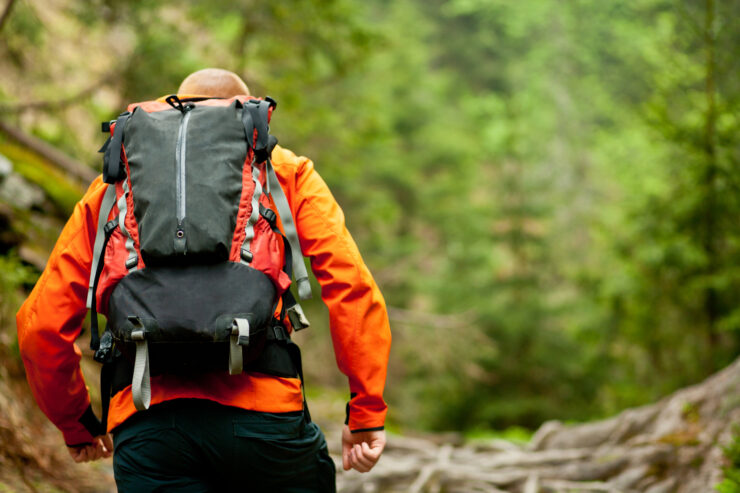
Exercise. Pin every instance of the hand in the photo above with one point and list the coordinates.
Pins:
(361, 451)
(102, 447)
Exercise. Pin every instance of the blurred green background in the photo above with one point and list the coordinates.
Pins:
(546, 191)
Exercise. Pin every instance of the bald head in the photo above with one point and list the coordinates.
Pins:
(215, 83)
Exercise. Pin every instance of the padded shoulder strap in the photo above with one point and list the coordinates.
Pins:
(112, 169)
(281, 202)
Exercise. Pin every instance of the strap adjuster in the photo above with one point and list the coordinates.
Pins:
(297, 318)
(247, 255)
(132, 261)
(279, 333)
(269, 215)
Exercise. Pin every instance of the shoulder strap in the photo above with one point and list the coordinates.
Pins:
(109, 199)
(112, 169)
(281, 202)
(255, 114)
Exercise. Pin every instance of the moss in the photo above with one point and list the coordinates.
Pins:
(62, 191)
(731, 471)
(697, 462)
(690, 412)
(682, 438)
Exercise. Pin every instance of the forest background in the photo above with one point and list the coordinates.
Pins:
(546, 191)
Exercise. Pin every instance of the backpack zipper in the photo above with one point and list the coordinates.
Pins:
(180, 180)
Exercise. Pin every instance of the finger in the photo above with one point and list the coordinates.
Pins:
(360, 458)
(360, 453)
(99, 450)
(372, 454)
(354, 462)
(81, 455)
(92, 453)
(345, 459)
(75, 454)
(108, 444)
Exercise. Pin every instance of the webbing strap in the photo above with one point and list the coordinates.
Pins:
(295, 355)
(112, 157)
(297, 318)
(281, 202)
(239, 337)
(106, 383)
(246, 253)
(259, 111)
(141, 387)
(109, 200)
(133, 258)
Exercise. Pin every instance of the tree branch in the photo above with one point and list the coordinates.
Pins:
(50, 153)
(15, 108)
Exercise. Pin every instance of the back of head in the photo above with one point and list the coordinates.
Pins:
(214, 83)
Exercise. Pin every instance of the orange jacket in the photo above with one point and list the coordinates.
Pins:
(50, 320)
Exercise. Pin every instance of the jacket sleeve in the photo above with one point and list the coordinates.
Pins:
(357, 313)
(50, 320)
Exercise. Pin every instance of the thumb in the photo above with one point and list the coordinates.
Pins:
(345, 456)
(107, 443)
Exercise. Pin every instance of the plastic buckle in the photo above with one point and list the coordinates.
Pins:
(105, 351)
(132, 261)
(247, 256)
(110, 226)
(279, 332)
(269, 215)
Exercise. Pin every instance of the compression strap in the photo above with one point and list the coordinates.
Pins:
(141, 386)
(239, 338)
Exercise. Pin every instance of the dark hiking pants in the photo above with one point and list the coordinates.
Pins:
(194, 445)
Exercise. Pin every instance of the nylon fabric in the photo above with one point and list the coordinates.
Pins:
(112, 158)
(51, 318)
(192, 209)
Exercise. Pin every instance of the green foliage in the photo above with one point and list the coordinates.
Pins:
(545, 191)
(13, 277)
(63, 192)
(731, 481)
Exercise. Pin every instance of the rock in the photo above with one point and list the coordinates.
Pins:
(672, 446)
(665, 486)
(629, 478)
(18, 193)
(6, 167)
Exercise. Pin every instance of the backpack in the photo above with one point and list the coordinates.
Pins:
(193, 268)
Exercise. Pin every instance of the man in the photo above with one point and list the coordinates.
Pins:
(216, 432)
